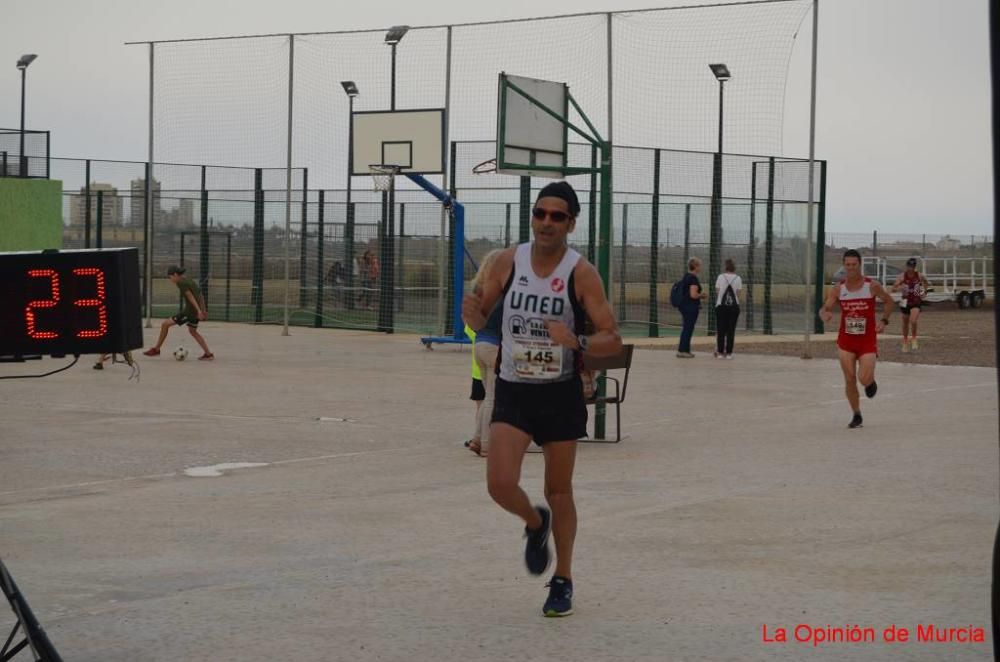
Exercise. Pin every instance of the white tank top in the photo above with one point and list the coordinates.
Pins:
(527, 353)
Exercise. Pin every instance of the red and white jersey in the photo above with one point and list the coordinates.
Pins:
(912, 289)
(857, 311)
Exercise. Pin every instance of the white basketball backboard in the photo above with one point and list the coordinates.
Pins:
(526, 134)
(411, 139)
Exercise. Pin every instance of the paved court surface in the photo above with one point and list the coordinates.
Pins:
(739, 500)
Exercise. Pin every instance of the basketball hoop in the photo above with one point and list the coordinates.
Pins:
(485, 168)
(382, 175)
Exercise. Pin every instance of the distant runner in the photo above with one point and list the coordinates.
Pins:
(912, 284)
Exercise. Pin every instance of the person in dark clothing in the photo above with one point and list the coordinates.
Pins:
(691, 307)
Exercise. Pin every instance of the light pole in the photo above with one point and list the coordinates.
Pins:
(393, 37)
(387, 229)
(352, 91)
(721, 73)
(22, 65)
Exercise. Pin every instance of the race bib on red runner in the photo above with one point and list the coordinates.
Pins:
(855, 326)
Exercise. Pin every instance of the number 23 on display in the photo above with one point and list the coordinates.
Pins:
(54, 298)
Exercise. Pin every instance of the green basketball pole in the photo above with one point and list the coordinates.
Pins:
(604, 174)
(603, 268)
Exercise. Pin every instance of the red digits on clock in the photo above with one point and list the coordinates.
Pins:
(102, 311)
(29, 313)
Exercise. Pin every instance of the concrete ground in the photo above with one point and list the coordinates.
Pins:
(738, 501)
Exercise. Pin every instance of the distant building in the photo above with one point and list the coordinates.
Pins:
(112, 208)
(946, 243)
(137, 204)
(180, 217)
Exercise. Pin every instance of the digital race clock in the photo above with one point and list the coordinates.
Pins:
(58, 303)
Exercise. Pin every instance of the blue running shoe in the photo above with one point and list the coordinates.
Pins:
(560, 602)
(536, 550)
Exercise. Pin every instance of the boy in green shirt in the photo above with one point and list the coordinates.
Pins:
(191, 313)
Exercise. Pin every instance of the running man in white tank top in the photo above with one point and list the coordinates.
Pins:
(548, 291)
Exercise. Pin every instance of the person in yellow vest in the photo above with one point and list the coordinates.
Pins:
(478, 393)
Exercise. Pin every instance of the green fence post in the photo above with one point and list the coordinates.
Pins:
(820, 248)
(769, 250)
(604, 268)
(687, 237)
(100, 220)
(229, 269)
(449, 303)
(257, 277)
(654, 251)
(623, 267)
(751, 247)
(506, 227)
(715, 235)
(400, 279)
(592, 208)
(86, 209)
(204, 269)
(320, 274)
(524, 227)
(303, 236)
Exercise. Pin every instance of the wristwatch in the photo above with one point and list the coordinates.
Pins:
(885, 320)
(584, 342)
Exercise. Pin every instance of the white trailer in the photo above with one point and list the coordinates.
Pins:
(968, 281)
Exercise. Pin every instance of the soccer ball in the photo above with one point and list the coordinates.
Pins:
(180, 353)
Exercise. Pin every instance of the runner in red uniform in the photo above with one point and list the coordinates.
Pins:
(912, 284)
(857, 342)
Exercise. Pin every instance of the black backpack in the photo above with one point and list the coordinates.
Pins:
(678, 293)
(729, 299)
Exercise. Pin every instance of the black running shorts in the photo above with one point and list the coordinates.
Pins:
(180, 319)
(905, 310)
(547, 412)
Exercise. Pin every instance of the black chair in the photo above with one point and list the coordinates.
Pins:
(620, 361)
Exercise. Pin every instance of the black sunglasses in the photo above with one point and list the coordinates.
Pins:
(556, 216)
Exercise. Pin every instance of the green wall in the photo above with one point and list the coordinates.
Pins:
(30, 214)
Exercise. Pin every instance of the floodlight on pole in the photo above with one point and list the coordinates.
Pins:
(26, 60)
(395, 34)
(22, 65)
(721, 73)
(392, 38)
(351, 90)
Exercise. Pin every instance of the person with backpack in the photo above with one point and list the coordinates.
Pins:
(686, 295)
(727, 310)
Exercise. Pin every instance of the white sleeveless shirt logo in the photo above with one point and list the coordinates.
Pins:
(528, 354)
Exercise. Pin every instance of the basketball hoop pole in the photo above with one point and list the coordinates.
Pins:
(458, 275)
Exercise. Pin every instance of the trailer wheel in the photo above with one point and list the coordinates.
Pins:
(977, 299)
(964, 300)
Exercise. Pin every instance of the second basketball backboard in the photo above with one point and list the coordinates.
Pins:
(531, 131)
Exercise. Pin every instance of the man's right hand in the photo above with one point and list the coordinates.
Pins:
(825, 315)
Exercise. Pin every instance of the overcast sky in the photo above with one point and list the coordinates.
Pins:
(903, 87)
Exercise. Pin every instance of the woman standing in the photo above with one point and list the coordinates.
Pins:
(727, 310)
(690, 306)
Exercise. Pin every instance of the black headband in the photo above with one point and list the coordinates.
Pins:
(564, 192)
